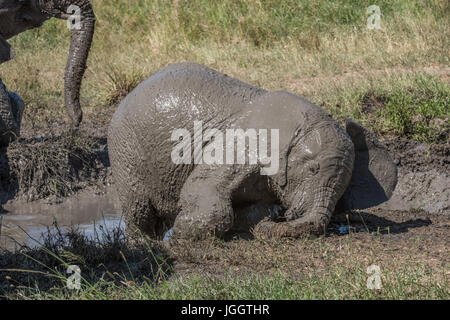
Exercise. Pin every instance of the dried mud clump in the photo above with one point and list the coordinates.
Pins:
(53, 166)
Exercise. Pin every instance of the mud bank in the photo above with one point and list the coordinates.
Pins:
(423, 176)
(428, 191)
(53, 167)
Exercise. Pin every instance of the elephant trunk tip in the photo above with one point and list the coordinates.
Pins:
(77, 118)
(74, 111)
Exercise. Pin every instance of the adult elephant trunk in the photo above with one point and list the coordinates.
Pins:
(82, 19)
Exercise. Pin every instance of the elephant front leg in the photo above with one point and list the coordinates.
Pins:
(206, 201)
(11, 110)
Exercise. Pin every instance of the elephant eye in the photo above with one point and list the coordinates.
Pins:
(314, 167)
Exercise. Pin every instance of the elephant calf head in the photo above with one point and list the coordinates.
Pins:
(329, 169)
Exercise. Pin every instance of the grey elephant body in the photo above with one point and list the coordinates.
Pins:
(17, 16)
(316, 157)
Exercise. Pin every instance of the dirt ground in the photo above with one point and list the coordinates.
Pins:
(393, 240)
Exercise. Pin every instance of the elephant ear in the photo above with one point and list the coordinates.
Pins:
(6, 52)
(374, 174)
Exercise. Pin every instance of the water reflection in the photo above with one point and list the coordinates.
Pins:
(24, 223)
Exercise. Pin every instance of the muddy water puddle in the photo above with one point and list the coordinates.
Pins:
(25, 223)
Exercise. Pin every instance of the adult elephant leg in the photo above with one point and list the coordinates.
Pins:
(6, 52)
(206, 200)
(11, 110)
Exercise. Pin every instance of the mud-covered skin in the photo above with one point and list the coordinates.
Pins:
(11, 109)
(17, 16)
(316, 157)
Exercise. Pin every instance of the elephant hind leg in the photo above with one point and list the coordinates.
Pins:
(131, 176)
(138, 215)
(205, 203)
(223, 200)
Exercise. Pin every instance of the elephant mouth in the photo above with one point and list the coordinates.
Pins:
(248, 216)
(252, 203)
(251, 208)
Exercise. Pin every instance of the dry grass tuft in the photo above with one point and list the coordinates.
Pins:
(53, 165)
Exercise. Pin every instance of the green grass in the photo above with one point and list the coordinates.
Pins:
(421, 112)
(339, 282)
(321, 50)
(114, 266)
(262, 22)
(415, 106)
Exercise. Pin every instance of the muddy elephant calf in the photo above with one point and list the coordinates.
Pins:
(314, 162)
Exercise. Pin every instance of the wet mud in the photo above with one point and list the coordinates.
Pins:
(92, 213)
(423, 176)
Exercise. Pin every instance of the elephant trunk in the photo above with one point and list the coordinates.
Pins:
(307, 215)
(325, 201)
(82, 32)
(312, 214)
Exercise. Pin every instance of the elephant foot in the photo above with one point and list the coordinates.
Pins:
(142, 218)
(150, 225)
(17, 107)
